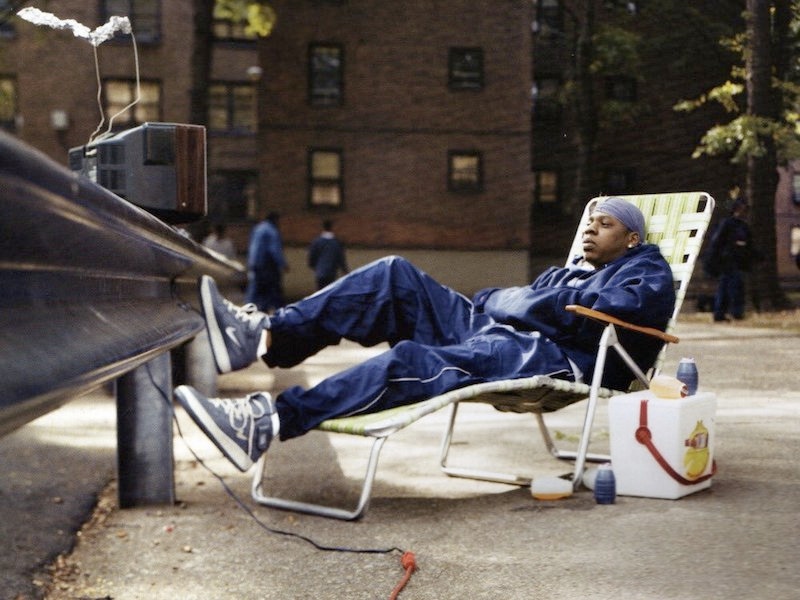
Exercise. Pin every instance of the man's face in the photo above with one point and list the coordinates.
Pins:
(605, 239)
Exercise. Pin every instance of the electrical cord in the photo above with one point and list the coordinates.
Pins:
(407, 559)
(409, 563)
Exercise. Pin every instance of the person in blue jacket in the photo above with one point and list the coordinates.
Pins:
(266, 265)
(326, 255)
(439, 339)
(730, 257)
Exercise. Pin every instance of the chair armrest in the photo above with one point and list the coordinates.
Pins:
(606, 318)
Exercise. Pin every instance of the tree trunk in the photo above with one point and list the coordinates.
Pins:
(201, 76)
(762, 177)
(585, 111)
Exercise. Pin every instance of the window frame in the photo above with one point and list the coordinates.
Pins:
(134, 13)
(794, 241)
(795, 188)
(538, 187)
(239, 185)
(10, 124)
(468, 81)
(547, 108)
(549, 19)
(131, 120)
(228, 31)
(7, 29)
(331, 79)
(314, 181)
(453, 183)
(230, 108)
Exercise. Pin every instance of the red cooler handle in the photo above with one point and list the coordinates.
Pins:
(645, 437)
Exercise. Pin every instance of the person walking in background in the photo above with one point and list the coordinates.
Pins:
(326, 256)
(218, 241)
(731, 254)
(266, 265)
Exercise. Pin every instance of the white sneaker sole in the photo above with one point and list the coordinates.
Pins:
(206, 422)
(218, 348)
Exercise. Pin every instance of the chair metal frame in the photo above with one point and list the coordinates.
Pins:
(608, 339)
(677, 222)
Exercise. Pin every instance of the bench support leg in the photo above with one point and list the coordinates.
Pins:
(144, 435)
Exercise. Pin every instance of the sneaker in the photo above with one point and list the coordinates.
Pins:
(241, 428)
(233, 331)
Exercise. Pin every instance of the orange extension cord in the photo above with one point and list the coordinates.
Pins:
(409, 563)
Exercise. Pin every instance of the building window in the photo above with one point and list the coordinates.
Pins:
(620, 181)
(325, 68)
(326, 179)
(8, 103)
(621, 88)
(465, 68)
(794, 241)
(796, 188)
(545, 95)
(233, 196)
(232, 108)
(464, 171)
(145, 17)
(549, 17)
(121, 93)
(227, 30)
(7, 10)
(545, 187)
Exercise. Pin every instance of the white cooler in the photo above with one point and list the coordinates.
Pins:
(681, 436)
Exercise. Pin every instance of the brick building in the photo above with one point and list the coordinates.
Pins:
(414, 125)
(408, 122)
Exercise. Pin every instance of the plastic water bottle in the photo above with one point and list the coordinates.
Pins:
(687, 373)
(605, 485)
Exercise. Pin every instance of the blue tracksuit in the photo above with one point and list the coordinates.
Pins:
(440, 340)
(265, 266)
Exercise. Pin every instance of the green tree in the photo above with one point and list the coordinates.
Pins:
(635, 40)
(762, 96)
(595, 51)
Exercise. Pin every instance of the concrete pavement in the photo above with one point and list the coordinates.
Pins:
(472, 539)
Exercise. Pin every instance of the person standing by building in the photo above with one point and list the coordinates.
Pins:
(266, 265)
(731, 254)
(326, 256)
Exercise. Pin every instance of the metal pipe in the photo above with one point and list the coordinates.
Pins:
(144, 434)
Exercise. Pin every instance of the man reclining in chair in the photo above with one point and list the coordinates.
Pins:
(439, 340)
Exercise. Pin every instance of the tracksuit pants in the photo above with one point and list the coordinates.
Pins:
(437, 343)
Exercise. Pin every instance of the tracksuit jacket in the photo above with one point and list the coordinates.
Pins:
(440, 340)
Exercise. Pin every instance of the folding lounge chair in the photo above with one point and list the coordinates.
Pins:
(677, 222)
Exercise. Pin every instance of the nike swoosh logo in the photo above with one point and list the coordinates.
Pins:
(230, 331)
